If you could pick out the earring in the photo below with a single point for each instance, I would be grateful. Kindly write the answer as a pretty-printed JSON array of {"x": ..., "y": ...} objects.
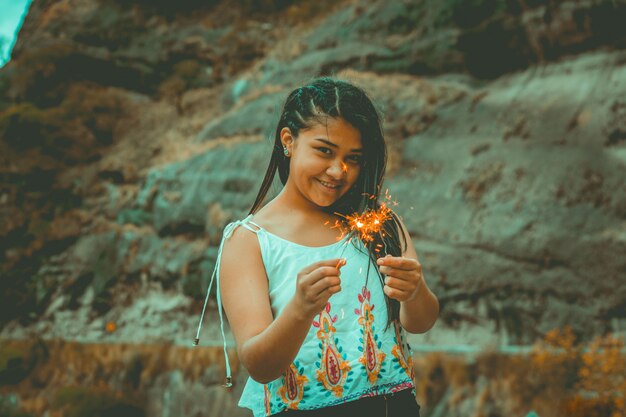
[{"x": 285, "y": 150}]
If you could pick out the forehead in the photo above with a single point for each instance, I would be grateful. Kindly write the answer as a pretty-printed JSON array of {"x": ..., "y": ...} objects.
[{"x": 335, "y": 130}]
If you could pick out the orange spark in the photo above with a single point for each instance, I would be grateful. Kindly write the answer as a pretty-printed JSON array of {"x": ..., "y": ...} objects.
[
  {"x": 110, "y": 327},
  {"x": 367, "y": 224}
]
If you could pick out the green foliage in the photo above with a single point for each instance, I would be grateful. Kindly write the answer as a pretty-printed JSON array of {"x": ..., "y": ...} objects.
[
  {"x": 170, "y": 9},
  {"x": 17, "y": 361},
  {"x": 94, "y": 402},
  {"x": 192, "y": 286},
  {"x": 8, "y": 408},
  {"x": 185, "y": 75},
  {"x": 108, "y": 26},
  {"x": 468, "y": 13},
  {"x": 41, "y": 70},
  {"x": 93, "y": 107},
  {"x": 71, "y": 131},
  {"x": 22, "y": 124},
  {"x": 5, "y": 84},
  {"x": 196, "y": 282},
  {"x": 188, "y": 70},
  {"x": 265, "y": 6},
  {"x": 13, "y": 364},
  {"x": 165, "y": 8},
  {"x": 134, "y": 216}
]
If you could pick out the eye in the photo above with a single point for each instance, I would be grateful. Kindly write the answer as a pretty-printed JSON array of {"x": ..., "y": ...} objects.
[
  {"x": 355, "y": 158},
  {"x": 324, "y": 150}
]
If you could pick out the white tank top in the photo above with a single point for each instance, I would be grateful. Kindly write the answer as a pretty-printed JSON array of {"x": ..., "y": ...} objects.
[{"x": 347, "y": 354}]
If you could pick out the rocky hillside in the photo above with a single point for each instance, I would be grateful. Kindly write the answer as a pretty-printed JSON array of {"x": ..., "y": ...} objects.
[
  {"x": 132, "y": 132},
  {"x": 130, "y": 135}
]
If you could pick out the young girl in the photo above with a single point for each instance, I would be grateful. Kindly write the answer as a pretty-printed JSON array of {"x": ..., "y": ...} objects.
[{"x": 319, "y": 316}]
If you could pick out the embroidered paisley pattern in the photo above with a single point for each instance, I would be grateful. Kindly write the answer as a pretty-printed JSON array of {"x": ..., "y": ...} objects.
[
  {"x": 402, "y": 358},
  {"x": 333, "y": 367},
  {"x": 266, "y": 400},
  {"x": 372, "y": 355},
  {"x": 292, "y": 388}
]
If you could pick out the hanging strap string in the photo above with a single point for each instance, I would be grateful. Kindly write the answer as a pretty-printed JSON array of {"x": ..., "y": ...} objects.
[{"x": 228, "y": 232}]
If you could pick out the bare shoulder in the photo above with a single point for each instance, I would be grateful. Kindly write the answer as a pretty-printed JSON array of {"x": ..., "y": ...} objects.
[
  {"x": 242, "y": 240},
  {"x": 241, "y": 255},
  {"x": 244, "y": 288}
]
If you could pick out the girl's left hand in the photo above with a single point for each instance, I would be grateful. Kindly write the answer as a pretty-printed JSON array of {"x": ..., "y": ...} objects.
[{"x": 404, "y": 277}]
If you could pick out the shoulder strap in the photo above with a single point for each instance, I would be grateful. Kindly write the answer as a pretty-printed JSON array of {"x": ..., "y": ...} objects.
[{"x": 228, "y": 232}]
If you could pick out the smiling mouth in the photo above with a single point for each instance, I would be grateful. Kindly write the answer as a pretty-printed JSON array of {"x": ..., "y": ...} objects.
[{"x": 330, "y": 186}]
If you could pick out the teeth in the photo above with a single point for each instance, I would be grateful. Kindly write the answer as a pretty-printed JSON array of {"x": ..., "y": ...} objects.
[{"x": 329, "y": 185}]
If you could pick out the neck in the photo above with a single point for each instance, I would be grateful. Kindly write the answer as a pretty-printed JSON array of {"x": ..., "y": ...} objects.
[{"x": 296, "y": 205}]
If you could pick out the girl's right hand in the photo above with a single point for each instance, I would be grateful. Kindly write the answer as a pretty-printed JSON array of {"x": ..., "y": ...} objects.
[{"x": 315, "y": 284}]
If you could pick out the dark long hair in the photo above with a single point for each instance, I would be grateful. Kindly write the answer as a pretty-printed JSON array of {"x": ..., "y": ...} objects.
[{"x": 308, "y": 105}]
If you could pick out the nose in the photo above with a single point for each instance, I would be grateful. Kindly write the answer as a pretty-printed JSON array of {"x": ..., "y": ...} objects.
[{"x": 337, "y": 170}]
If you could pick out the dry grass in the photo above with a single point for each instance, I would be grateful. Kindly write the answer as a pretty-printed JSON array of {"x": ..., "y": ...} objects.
[
  {"x": 114, "y": 371},
  {"x": 560, "y": 377}
]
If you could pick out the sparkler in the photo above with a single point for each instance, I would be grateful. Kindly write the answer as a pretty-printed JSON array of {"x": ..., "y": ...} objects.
[{"x": 365, "y": 225}]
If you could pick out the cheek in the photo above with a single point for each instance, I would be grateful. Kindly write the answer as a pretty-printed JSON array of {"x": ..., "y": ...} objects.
[
  {"x": 313, "y": 167},
  {"x": 305, "y": 165},
  {"x": 353, "y": 174}
]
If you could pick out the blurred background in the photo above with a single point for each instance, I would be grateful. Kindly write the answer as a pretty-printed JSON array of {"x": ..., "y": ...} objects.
[{"x": 132, "y": 132}]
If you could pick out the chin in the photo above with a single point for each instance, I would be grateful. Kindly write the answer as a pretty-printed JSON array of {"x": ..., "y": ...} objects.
[
  {"x": 334, "y": 203},
  {"x": 324, "y": 201},
  {"x": 325, "y": 204}
]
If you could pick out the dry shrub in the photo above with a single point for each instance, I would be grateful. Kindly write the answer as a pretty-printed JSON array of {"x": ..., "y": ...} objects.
[
  {"x": 561, "y": 376},
  {"x": 80, "y": 401},
  {"x": 304, "y": 11},
  {"x": 133, "y": 366},
  {"x": 40, "y": 72},
  {"x": 79, "y": 379},
  {"x": 602, "y": 380},
  {"x": 436, "y": 372},
  {"x": 165, "y": 8},
  {"x": 564, "y": 377},
  {"x": 72, "y": 131},
  {"x": 186, "y": 74}
]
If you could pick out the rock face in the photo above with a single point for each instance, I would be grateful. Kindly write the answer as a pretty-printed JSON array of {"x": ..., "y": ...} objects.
[{"x": 130, "y": 135}]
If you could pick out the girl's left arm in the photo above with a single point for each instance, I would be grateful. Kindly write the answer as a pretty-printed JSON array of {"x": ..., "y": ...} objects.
[{"x": 419, "y": 307}]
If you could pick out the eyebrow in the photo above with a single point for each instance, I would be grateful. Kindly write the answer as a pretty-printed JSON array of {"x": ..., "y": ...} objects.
[{"x": 329, "y": 143}]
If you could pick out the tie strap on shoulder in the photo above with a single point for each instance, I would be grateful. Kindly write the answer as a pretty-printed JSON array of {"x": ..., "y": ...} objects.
[{"x": 228, "y": 232}]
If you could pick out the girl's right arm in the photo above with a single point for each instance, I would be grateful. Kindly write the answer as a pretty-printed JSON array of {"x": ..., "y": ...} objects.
[{"x": 266, "y": 347}]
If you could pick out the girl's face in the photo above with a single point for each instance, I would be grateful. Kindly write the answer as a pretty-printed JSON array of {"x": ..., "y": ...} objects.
[{"x": 325, "y": 160}]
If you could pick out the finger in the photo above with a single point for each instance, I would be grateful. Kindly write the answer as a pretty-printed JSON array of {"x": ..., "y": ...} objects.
[
  {"x": 399, "y": 284},
  {"x": 324, "y": 271},
  {"x": 318, "y": 274},
  {"x": 331, "y": 290},
  {"x": 337, "y": 262},
  {"x": 398, "y": 273},
  {"x": 406, "y": 264},
  {"x": 341, "y": 263},
  {"x": 395, "y": 293},
  {"x": 323, "y": 284}
]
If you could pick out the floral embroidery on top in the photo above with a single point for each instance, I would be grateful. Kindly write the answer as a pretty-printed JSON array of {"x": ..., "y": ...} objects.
[
  {"x": 402, "y": 359},
  {"x": 293, "y": 388},
  {"x": 333, "y": 367},
  {"x": 372, "y": 355}
]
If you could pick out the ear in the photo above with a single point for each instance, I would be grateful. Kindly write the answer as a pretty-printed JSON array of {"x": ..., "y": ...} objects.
[{"x": 286, "y": 138}]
